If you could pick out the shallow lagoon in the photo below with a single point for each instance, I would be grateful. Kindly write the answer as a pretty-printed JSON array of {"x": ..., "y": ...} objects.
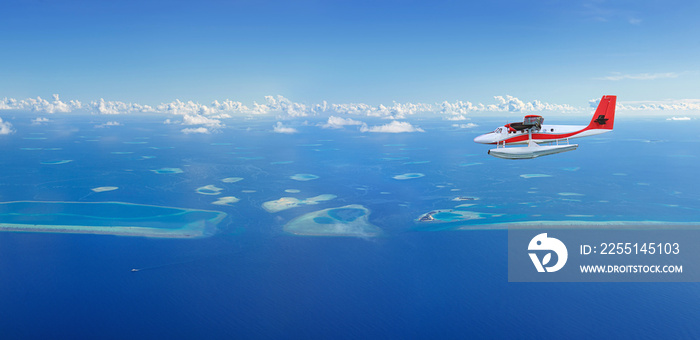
[
  {"x": 111, "y": 218},
  {"x": 351, "y": 220}
]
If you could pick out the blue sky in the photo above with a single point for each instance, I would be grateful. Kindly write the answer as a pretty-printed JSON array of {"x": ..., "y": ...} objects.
[{"x": 374, "y": 52}]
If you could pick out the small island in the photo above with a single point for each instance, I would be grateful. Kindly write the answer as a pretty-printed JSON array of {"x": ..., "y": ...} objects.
[
  {"x": 450, "y": 215},
  {"x": 350, "y": 220}
]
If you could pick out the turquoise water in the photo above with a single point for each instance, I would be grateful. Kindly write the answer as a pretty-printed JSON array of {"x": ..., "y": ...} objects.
[
  {"x": 251, "y": 279},
  {"x": 83, "y": 216},
  {"x": 347, "y": 215}
]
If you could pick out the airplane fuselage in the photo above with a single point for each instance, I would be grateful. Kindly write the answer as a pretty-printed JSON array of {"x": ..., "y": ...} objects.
[{"x": 545, "y": 134}]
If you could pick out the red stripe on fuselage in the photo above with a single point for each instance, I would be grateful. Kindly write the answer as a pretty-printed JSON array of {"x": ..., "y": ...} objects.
[{"x": 541, "y": 136}]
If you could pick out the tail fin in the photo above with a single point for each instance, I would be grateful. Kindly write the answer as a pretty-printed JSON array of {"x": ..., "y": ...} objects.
[{"x": 604, "y": 116}]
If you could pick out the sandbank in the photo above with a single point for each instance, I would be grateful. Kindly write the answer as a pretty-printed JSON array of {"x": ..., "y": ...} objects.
[
  {"x": 103, "y": 189},
  {"x": 303, "y": 177},
  {"x": 285, "y": 203},
  {"x": 226, "y": 200},
  {"x": 107, "y": 218},
  {"x": 411, "y": 175},
  {"x": 209, "y": 190}
]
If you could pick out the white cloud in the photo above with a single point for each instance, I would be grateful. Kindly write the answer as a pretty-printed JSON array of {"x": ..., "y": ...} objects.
[
  {"x": 465, "y": 126},
  {"x": 200, "y": 120},
  {"x": 399, "y": 111},
  {"x": 615, "y": 76},
  {"x": 5, "y": 128},
  {"x": 178, "y": 107},
  {"x": 116, "y": 107},
  {"x": 661, "y": 105},
  {"x": 280, "y": 104},
  {"x": 229, "y": 106},
  {"x": 110, "y": 123},
  {"x": 393, "y": 127},
  {"x": 338, "y": 122},
  {"x": 280, "y": 128},
  {"x": 188, "y": 131},
  {"x": 513, "y": 104},
  {"x": 40, "y": 120},
  {"x": 395, "y": 111},
  {"x": 40, "y": 105},
  {"x": 212, "y": 116},
  {"x": 460, "y": 117},
  {"x": 678, "y": 118},
  {"x": 459, "y": 108}
]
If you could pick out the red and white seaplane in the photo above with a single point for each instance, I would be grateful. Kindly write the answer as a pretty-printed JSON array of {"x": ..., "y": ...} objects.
[{"x": 531, "y": 131}]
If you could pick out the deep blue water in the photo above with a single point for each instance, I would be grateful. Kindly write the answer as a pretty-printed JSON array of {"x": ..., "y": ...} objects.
[{"x": 252, "y": 280}]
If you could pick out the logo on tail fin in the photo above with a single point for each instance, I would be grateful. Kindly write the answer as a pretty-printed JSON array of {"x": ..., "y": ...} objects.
[
  {"x": 601, "y": 120},
  {"x": 604, "y": 116}
]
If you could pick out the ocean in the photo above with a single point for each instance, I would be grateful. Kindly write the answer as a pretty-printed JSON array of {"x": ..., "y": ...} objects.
[{"x": 253, "y": 279}]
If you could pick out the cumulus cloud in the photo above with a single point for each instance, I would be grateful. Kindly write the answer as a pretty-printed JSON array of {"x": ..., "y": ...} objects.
[
  {"x": 615, "y": 76},
  {"x": 460, "y": 117},
  {"x": 338, "y": 122},
  {"x": 202, "y": 130},
  {"x": 678, "y": 118},
  {"x": 5, "y": 128},
  {"x": 116, "y": 107},
  {"x": 661, "y": 105},
  {"x": 40, "y": 120},
  {"x": 201, "y": 120},
  {"x": 400, "y": 111},
  {"x": 459, "y": 108},
  {"x": 395, "y": 111},
  {"x": 212, "y": 115},
  {"x": 107, "y": 124},
  {"x": 465, "y": 126},
  {"x": 229, "y": 106},
  {"x": 178, "y": 107},
  {"x": 393, "y": 127},
  {"x": 40, "y": 105},
  {"x": 280, "y": 104},
  {"x": 513, "y": 104},
  {"x": 280, "y": 128}
]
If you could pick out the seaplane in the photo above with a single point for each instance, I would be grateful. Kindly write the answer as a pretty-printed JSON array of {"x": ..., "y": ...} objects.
[{"x": 533, "y": 132}]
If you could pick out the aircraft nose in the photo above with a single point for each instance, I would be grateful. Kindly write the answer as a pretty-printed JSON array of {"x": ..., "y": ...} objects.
[{"x": 483, "y": 139}]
